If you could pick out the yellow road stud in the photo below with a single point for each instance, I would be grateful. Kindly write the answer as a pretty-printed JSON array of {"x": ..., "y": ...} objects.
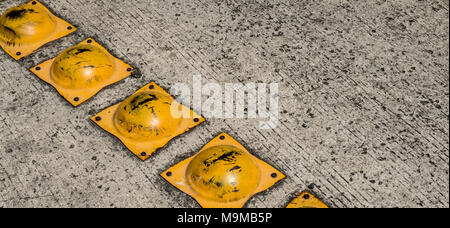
[
  {"x": 25, "y": 28},
  {"x": 80, "y": 72},
  {"x": 147, "y": 120},
  {"x": 306, "y": 200},
  {"x": 222, "y": 175}
]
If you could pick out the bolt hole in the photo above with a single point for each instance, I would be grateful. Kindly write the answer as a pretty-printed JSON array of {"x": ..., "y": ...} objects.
[
  {"x": 76, "y": 99},
  {"x": 143, "y": 154},
  {"x": 196, "y": 120},
  {"x": 98, "y": 118},
  {"x": 129, "y": 69},
  {"x": 274, "y": 175},
  {"x": 306, "y": 196},
  {"x": 38, "y": 68},
  {"x": 34, "y": 3},
  {"x": 19, "y": 53},
  {"x": 169, "y": 174},
  {"x": 151, "y": 87},
  {"x": 222, "y": 137},
  {"x": 89, "y": 41},
  {"x": 69, "y": 28}
]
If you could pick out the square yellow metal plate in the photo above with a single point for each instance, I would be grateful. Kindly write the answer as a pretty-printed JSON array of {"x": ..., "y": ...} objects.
[
  {"x": 143, "y": 138},
  {"x": 306, "y": 200},
  {"x": 61, "y": 29},
  {"x": 77, "y": 95},
  {"x": 223, "y": 174}
]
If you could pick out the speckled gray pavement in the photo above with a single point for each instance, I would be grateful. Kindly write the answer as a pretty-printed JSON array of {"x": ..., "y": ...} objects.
[{"x": 364, "y": 101}]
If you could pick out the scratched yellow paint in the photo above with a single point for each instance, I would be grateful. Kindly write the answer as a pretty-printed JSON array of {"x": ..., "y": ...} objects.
[
  {"x": 223, "y": 174},
  {"x": 144, "y": 122},
  {"x": 25, "y": 28},
  {"x": 82, "y": 66},
  {"x": 80, "y": 72},
  {"x": 146, "y": 115}
]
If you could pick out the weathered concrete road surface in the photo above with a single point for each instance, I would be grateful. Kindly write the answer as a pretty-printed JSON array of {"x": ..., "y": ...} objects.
[{"x": 364, "y": 101}]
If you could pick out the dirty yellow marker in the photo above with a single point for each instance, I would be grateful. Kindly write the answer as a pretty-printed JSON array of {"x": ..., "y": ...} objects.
[
  {"x": 80, "y": 72},
  {"x": 147, "y": 120},
  {"x": 25, "y": 28},
  {"x": 307, "y": 200},
  {"x": 222, "y": 175}
]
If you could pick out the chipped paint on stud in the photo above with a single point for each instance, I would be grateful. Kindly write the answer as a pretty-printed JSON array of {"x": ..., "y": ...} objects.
[
  {"x": 146, "y": 115},
  {"x": 25, "y": 28},
  {"x": 144, "y": 122},
  {"x": 82, "y": 66},
  {"x": 80, "y": 72},
  {"x": 223, "y": 174},
  {"x": 307, "y": 200}
]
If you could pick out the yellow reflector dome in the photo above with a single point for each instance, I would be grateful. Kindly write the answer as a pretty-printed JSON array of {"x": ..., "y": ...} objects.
[
  {"x": 25, "y": 24},
  {"x": 144, "y": 121},
  {"x": 146, "y": 115},
  {"x": 223, "y": 174},
  {"x": 82, "y": 66},
  {"x": 80, "y": 72},
  {"x": 25, "y": 28}
]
